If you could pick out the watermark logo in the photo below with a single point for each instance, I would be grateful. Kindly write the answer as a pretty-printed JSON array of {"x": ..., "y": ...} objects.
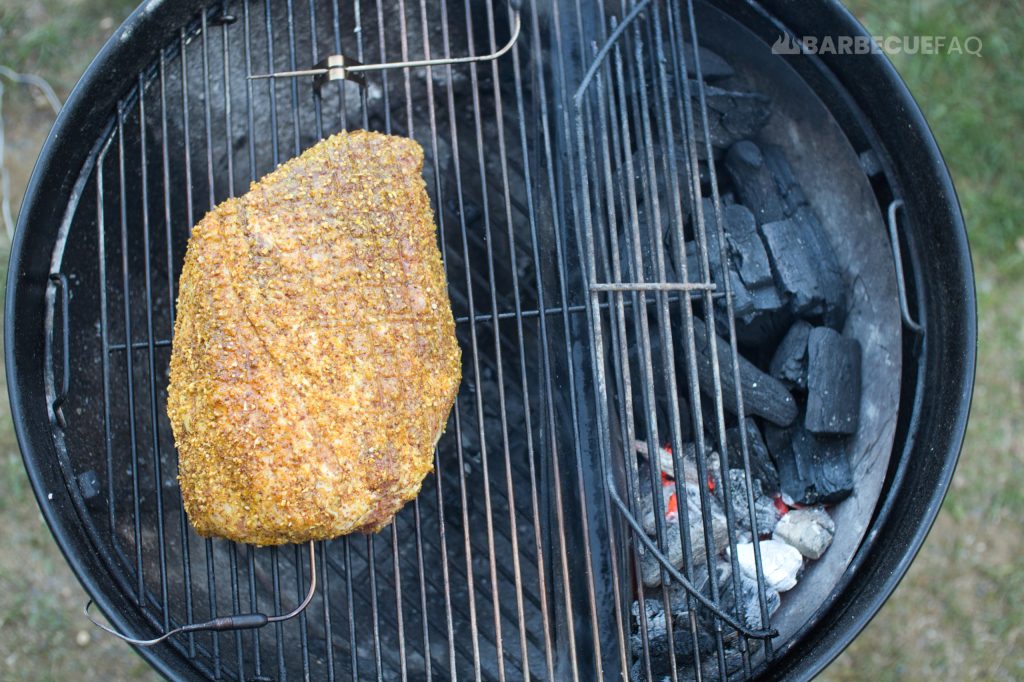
[{"x": 890, "y": 45}]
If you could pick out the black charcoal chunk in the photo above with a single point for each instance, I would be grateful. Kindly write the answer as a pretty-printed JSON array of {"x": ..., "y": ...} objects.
[
  {"x": 746, "y": 247},
  {"x": 732, "y": 115},
  {"x": 763, "y": 396},
  {"x": 714, "y": 244},
  {"x": 830, "y": 275},
  {"x": 797, "y": 266},
  {"x": 754, "y": 182},
  {"x": 761, "y": 465},
  {"x": 812, "y": 470},
  {"x": 753, "y": 287},
  {"x": 792, "y": 194},
  {"x": 755, "y": 297},
  {"x": 764, "y": 181},
  {"x": 745, "y": 252},
  {"x": 659, "y": 655},
  {"x": 805, "y": 266},
  {"x": 789, "y": 364},
  {"x": 833, "y": 383}
]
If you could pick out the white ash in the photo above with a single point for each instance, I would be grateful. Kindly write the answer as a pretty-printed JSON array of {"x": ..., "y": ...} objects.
[
  {"x": 809, "y": 531},
  {"x": 766, "y": 514},
  {"x": 651, "y": 567},
  {"x": 780, "y": 562},
  {"x": 750, "y": 603}
]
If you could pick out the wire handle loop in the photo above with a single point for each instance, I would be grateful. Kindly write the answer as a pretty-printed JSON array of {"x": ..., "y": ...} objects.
[
  {"x": 242, "y": 621},
  {"x": 340, "y": 67},
  {"x": 897, "y": 257}
]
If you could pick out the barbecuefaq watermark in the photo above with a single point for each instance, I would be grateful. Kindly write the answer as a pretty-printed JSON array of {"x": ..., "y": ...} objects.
[{"x": 919, "y": 44}]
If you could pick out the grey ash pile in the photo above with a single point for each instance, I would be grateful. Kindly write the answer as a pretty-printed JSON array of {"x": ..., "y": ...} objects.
[{"x": 800, "y": 380}]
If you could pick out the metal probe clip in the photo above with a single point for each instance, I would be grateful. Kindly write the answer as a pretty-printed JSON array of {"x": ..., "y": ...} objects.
[
  {"x": 242, "y": 621},
  {"x": 338, "y": 67}
]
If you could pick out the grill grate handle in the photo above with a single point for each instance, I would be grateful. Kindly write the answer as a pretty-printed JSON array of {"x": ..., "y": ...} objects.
[
  {"x": 241, "y": 621},
  {"x": 338, "y": 67}
]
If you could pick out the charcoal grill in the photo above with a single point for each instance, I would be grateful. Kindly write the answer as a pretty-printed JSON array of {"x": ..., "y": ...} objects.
[{"x": 518, "y": 559}]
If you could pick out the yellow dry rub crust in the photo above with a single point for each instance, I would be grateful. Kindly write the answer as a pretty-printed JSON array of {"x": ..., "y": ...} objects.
[{"x": 314, "y": 361}]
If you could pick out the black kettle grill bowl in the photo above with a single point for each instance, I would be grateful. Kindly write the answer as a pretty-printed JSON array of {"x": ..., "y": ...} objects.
[{"x": 864, "y": 95}]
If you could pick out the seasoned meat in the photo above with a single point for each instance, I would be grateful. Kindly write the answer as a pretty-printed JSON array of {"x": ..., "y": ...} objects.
[{"x": 314, "y": 361}]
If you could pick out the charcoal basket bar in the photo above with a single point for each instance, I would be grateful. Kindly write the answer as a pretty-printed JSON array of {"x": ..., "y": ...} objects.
[
  {"x": 582, "y": 317},
  {"x": 602, "y": 74}
]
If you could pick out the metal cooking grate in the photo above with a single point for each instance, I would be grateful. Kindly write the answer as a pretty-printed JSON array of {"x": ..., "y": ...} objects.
[
  {"x": 631, "y": 101},
  {"x": 514, "y": 562}
]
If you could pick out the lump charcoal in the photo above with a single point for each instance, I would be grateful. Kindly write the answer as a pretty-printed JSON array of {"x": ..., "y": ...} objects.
[
  {"x": 763, "y": 395},
  {"x": 753, "y": 287},
  {"x": 714, "y": 244},
  {"x": 764, "y": 180},
  {"x": 761, "y": 465},
  {"x": 746, "y": 248},
  {"x": 812, "y": 470},
  {"x": 797, "y": 266},
  {"x": 830, "y": 276},
  {"x": 751, "y": 280},
  {"x": 780, "y": 563},
  {"x": 798, "y": 208},
  {"x": 650, "y": 567},
  {"x": 805, "y": 264},
  {"x": 657, "y": 630},
  {"x": 659, "y": 656},
  {"x": 789, "y": 364},
  {"x": 810, "y": 531},
  {"x": 789, "y": 189},
  {"x": 833, "y": 383},
  {"x": 678, "y": 598},
  {"x": 766, "y": 515},
  {"x": 753, "y": 182},
  {"x": 732, "y": 116}
]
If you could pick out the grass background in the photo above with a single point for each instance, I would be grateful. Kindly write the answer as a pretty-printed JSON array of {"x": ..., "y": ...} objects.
[{"x": 958, "y": 614}]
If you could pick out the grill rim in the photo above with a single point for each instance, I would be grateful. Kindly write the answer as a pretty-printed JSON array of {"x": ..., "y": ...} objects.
[
  {"x": 129, "y": 51},
  {"x": 942, "y": 360},
  {"x": 86, "y": 114}
]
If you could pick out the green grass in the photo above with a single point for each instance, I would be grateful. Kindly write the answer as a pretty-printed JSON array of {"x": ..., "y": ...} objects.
[
  {"x": 957, "y": 614},
  {"x": 57, "y": 38}
]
